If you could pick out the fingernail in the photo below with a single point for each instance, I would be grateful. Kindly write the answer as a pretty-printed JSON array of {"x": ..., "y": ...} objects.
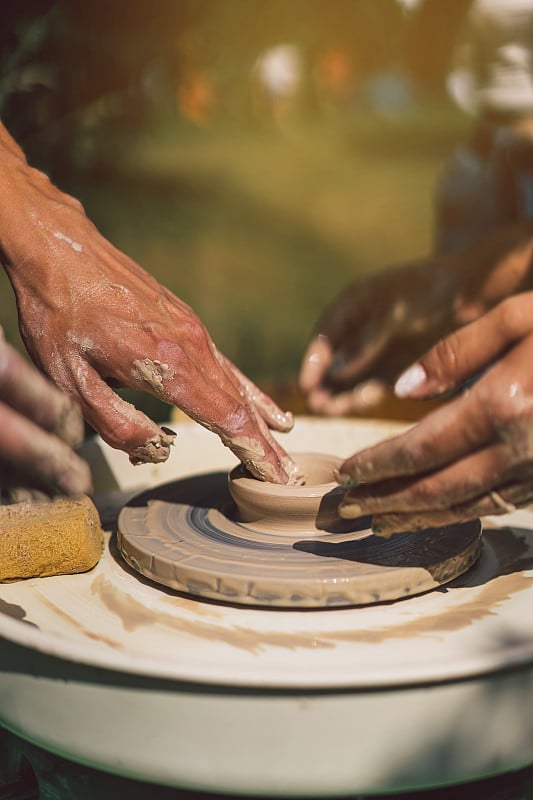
[
  {"x": 316, "y": 354},
  {"x": 410, "y": 381},
  {"x": 168, "y": 431},
  {"x": 284, "y": 418},
  {"x": 350, "y": 510},
  {"x": 314, "y": 358},
  {"x": 76, "y": 480}
]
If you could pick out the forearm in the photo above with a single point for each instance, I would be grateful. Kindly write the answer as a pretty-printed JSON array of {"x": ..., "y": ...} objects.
[
  {"x": 41, "y": 229},
  {"x": 14, "y": 170}
]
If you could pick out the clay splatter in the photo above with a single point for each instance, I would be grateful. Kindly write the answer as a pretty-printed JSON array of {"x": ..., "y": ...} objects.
[{"x": 153, "y": 373}]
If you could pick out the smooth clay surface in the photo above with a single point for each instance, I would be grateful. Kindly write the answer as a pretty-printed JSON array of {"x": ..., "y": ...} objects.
[
  {"x": 269, "y": 545},
  {"x": 308, "y": 508}
]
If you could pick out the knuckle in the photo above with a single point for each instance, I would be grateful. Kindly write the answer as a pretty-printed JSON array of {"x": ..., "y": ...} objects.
[
  {"x": 42, "y": 177},
  {"x": 513, "y": 317},
  {"x": 69, "y": 204},
  {"x": 418, "y": 456},
  {"x": 77, "y": 205},
  {"x": 193, "y": 333},
  {"x": 502, "y": 414},
  {"x": 444, "y": 356},
  {"x": 428, "y": 494}
]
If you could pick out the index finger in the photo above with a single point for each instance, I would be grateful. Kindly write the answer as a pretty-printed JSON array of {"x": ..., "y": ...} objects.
[
  {"x": 441, "y": 437},
  {"x": 269, "y": 410},
  {"x": 468, "y": 350},
  {"x": 214, "y": 397}
]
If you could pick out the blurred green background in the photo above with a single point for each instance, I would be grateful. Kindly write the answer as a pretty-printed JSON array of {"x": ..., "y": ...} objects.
[{"x": 255, "y": 156}]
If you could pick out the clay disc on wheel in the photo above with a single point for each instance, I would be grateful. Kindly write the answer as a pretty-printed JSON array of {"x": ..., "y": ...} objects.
[{"x": 184, "y": 535}]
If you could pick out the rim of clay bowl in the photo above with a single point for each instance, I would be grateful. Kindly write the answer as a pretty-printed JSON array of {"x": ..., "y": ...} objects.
[
  {"x": 282, "y": 508},
  {"x": 240, "y": 476}
]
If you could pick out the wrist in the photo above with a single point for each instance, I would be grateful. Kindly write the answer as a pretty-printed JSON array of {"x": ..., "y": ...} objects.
[{"x": 26, "y": 202}]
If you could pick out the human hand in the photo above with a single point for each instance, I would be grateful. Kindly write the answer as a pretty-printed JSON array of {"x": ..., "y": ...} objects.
[
  {"x": 94, "y": 320},
  {"x": 380, "y": 324},
  {"x": 39, "y": 427},
  {"x": 469, "y": 458}
]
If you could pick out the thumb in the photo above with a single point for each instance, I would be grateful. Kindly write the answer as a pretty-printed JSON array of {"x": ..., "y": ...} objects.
[{"x": 466, "y": 352}]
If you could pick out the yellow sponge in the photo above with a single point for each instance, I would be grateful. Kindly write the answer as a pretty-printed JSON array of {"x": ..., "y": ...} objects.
[{"x": 56, "y": 538}]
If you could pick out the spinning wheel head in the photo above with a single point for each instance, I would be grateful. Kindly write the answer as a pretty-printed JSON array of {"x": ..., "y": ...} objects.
[{"x": 235, "y": 539}]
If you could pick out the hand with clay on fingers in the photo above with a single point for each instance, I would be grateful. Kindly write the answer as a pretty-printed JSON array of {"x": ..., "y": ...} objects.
[
  {"x": 92, "y": 320},
  {"x": 380, "y": 324},
  {"x": 469, "y": 458},
  {"x": 39, "y": 427}
]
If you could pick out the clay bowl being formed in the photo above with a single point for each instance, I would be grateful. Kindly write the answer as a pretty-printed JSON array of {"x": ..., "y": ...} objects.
[
  {"x": 276, "y": 507},
  {"x": 233, "y": 538}
]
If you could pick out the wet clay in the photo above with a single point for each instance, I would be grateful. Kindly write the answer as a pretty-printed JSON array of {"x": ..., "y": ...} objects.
[
  {"x": 191, "y": 536},
  {"x": 273, "y": 507},
  {"x": 496, "y": 578},
  {"x": 152, "y": 373},
  {"x": 154, "y": 450}
]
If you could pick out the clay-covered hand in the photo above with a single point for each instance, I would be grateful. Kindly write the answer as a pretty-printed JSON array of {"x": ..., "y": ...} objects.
[
  {"x": 380, "y": 324},
  {"x": 93, "y": 320},
  {"x": 39, "y": 427},
  {"x": 474, "y": 455}
]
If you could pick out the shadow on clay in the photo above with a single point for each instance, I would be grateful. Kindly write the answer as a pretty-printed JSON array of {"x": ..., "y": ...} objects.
[
  {"x": 423, "y": 549},
  {"x": 506, "y": 551},
  {"x": 328, "y": 519},
  {"x": 205, "y": 491}
]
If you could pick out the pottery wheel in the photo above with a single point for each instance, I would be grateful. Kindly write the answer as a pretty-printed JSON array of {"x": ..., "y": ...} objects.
[{"x": 185, "y": 535}]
